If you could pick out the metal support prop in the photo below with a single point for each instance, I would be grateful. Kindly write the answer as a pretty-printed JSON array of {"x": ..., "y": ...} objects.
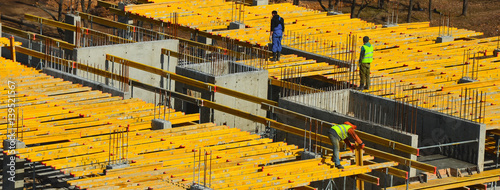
[
  {"x": 345, "y": 181},
  {"x": 359, "y": 162},
  {"x": 12, "y": 49},
  {"x": 449, "y": 144},
  {"x": 497, "y": 138}
]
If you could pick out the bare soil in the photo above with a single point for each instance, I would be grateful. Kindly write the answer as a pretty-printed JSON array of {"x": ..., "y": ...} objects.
[{"x": 483, "y": 15}]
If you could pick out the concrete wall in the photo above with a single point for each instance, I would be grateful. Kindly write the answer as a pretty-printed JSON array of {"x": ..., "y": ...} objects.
[
  {"x": 24, "y": 59},
  {"x": 432, "y": 127},
  {"x": 240, "y": 78},
  {"x": 437, "y": 128},
  {"x": 252, "y": 83},
  {"x": 148, "y": 53}
]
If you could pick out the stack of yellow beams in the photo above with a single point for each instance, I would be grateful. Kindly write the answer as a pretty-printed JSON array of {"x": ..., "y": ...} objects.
[
  {"x": 405, "y": 55},
  {"x": 217, "y": 14},
  {"x": 67, "y": 125},
  {"x": 229, "y": 159},
  {"x": 289, "y": 65},
  {"x": 6, "y": 42}
]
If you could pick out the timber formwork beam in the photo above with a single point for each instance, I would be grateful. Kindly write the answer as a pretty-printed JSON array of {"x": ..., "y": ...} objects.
[
  {"x": 37, "y": 37},
  {"x": 73, "y": 64}
]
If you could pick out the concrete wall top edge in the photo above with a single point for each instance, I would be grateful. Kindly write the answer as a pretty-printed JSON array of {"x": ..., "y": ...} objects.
[{"x": 126, "y": 44}]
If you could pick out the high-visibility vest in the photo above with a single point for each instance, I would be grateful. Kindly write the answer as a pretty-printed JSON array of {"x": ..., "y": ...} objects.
[
  {"x": 342, "y": 130},
  {"x": 368, "y": 58}
]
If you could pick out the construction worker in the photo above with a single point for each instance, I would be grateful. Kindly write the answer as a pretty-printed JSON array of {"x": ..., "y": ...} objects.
[
  {"x": 277, "y": 29},
  {"x": 365, "y": 58},
  {"x": 341, "y": 132}
]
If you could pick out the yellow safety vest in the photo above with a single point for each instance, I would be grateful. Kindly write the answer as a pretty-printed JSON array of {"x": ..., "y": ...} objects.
[
  {"x": 342, "y": 130},
  {"x": 368, "y": 58}
]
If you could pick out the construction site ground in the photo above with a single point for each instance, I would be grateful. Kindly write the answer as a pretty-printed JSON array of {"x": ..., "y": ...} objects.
[{"x": 480, "y": 18}]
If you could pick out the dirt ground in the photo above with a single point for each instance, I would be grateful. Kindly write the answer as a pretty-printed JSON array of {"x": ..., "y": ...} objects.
[{"x": 483, "y": 14}]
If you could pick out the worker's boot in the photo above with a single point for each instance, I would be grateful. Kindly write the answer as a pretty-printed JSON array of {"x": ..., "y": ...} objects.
[
  {"x": 274, "y": 57},
  {"x": 361, "y": 87},
  {"x": 278, "y": 56},
  {"x": 339, "y": 166}
]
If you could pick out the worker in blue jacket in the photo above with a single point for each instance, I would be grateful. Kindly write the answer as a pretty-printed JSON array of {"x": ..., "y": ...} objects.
[{"x": 277, "y": 29}]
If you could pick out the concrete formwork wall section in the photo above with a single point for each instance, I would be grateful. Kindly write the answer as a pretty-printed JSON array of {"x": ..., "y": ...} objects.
[
  {"x": 148, "y": 53},
  {"x": 253, "y": 83},
  {"x": 292, "y": 104},
  {"x": 236, "y": 77},
  {"x": 433, "y": 128},
  {"x": 24, "y": 59}
]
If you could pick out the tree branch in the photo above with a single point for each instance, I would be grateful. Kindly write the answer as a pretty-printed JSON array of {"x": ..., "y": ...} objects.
[
  {"x": 322, "y": 6},
  {"x": 59, "y": 11},
  {"x": 45, "y": 10},
  {"x": 88, "y": 6},
  {"x": 364, "y": 4}
]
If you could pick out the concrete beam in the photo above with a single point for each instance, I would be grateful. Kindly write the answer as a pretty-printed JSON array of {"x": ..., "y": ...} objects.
[
  {"x": 442, "y": 39},
  {"x": 235, "y": 25},
  {"x": 159, "y": 124},
  {"x": 260, "y": 2},
  {"x": 199, "y": 187},
  {"x": 333, "y": 13},
  {"x": 305, "y": 155},
  {"x": 117, "y": 166},
  {"x": 465, "y": 80},
  {"x": 389, "y": 25}
]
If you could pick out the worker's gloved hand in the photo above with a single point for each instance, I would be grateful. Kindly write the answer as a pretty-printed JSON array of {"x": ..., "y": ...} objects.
[
  {"x": 352, "y": 147},
  {"x": 362, "y": 145}
]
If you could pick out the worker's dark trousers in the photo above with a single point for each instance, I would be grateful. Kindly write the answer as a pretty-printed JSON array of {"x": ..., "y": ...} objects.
[
  {"x": 334, "y": 138},
  {"x": 364, "y": 75}
]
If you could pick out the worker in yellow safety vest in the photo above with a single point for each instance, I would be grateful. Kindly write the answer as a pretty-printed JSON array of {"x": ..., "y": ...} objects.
[
  {"x": 365, "y": 58},
  {"x": 342, "y": 132}
]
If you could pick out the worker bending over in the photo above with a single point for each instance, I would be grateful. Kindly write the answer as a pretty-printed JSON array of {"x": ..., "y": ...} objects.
[
  {"x": 341, "y": 132},
  {"x": 365, "y": 58},
  {"x": 277, "y": 29}
]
